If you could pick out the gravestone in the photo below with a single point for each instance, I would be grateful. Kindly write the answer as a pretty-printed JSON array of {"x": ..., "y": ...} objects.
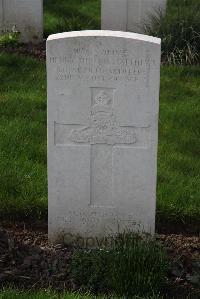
[
  {"x": 130, "y": 15},
  {"x": 23, "y": 16},
  {"x": 103, "y": 102}
]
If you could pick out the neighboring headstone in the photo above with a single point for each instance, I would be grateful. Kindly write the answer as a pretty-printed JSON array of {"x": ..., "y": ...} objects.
[
  {"x": 103, "y": 102},
  {"x": 130, "y": 15},
  {"x": 23, "y": 16},
  {"x": 114, "y": 15}
]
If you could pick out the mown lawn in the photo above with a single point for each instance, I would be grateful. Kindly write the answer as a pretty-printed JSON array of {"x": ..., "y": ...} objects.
[
  {"x": 23, "y": 188},
  {"x": 23, "y": 169},
  {"x": 178, "y": 189}
]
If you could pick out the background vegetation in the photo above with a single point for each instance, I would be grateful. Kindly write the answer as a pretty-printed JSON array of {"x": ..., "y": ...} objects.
[
  {"x": 23, "y": 174},
  {"x": 67, "y": 15},
  {"x": 23, "y": 188},
  {"x": 179, "y": 31}
]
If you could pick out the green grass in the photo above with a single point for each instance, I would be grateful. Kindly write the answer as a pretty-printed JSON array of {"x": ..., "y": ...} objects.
[
  {"x": 23, "y": 188},
  {"x": 132, "y": 266},
  {"x": 179, "y": 31},
  {"x": 179, "y": 145},
  {"x": 68, "y": 15},
  {"x": 14, "y": 294},
  {"x": 9, "y": 39}
]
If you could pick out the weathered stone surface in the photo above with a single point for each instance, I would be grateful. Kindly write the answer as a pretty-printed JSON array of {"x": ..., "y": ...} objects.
[
  {"x": 103, "y": 101},
  {"x": 24, "y": 16},
  {"x": 129, "y": 15}
]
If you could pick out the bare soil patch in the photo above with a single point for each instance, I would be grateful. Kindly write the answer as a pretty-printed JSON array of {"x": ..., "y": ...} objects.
[
  {"x": 28, "y": 260},
  {"x": 36, "y": 51}
]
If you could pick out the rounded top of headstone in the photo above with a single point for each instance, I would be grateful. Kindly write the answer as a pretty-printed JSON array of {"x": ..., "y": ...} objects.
[{"x": 105, "y": 33}]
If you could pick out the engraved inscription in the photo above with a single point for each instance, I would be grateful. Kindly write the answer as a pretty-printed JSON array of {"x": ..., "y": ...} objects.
[
  {"x": 88, "y": 62},
  {"x": 103, "y": 125}
]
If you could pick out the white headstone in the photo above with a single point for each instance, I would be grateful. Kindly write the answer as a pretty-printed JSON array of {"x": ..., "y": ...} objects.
[
  {"x": 129, "y": 15},
  {"x": 103, "y": 102},
  {"x": 23, "y": 16}
]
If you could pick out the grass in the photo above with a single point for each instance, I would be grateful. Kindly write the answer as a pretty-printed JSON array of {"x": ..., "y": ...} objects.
[
  {"x": 179, "y": 145},
  {"x": 179, "y": 31},
  {"x": 23, "y": 188},
  {"x": 68, "y": 15},
  {"x": 14, "y": 294},
  {"x": 132, "y": 266},
  {"x": 9, "y": 39}
]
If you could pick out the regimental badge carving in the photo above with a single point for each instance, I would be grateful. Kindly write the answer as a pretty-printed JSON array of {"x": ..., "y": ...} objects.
[{"x": 104, "y": 128}]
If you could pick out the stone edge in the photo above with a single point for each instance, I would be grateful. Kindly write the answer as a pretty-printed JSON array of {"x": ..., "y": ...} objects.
[{"x": 105, "y": 33}]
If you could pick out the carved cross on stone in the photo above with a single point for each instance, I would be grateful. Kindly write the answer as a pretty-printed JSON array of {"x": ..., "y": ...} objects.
[
  {"x": 103, "y": 134},
  {"x": 104, "y": 128}
]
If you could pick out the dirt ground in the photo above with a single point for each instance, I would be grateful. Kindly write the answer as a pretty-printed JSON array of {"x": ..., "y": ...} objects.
[
  {"x": 36, "y": 51},
  {"x": 28, "y": 260}
]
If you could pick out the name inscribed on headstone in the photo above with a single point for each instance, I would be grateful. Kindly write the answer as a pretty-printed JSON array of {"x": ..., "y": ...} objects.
[{"x": 99, "y": 64}]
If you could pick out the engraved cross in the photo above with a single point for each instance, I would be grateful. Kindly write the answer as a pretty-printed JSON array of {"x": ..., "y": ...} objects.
[{"x": 102, "y": 134}]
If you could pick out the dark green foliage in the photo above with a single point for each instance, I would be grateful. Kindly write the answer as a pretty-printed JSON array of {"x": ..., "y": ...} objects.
[
  {"x": 68, "y": 15},
  {"x": 90, "y": 269},
  {"x": 132, "y": 266},
  {"x": 9, "y": 39},
  {"x": 49, "y": 294},
  {"x": 138, "y": 266},
  {"x": 179, "y": 31}
]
